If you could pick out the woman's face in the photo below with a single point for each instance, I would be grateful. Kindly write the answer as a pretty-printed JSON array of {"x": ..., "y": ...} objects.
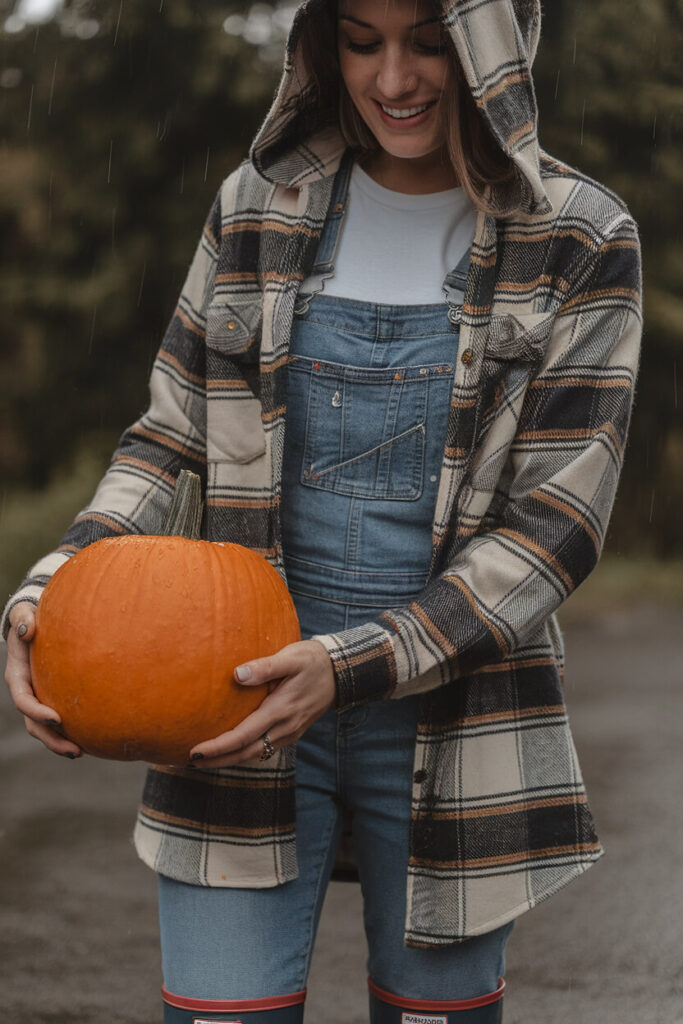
[{"x": 396, "y": 68}]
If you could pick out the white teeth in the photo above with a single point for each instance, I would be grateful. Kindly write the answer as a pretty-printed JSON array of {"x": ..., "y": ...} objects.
[{"x": 400, "y": 114}]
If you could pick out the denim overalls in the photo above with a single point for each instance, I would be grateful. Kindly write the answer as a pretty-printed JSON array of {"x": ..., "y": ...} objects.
[{"x": 367, "y": 404}]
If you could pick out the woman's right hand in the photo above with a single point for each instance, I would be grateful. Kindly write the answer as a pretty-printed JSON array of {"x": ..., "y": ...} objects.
[{"x": 41, "y": 722}]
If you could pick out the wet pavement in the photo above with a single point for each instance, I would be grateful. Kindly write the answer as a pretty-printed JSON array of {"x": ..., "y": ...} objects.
[{"x": 77, "y": 910}]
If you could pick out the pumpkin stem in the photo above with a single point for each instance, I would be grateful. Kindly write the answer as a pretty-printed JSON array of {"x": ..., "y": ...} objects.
[{"x": 184, "y": 518}]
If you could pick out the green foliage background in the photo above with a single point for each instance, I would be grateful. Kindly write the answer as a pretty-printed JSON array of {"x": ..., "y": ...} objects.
[{"x": 113, "y": 149}]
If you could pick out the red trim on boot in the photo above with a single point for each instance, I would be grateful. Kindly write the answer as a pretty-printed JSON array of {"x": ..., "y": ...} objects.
[
  {"x": 233, "y": 1005},
  {"x": 437, "y": 1004}
]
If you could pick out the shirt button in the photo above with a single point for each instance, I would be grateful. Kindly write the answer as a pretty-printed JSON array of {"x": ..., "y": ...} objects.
[
  {"x": 420, "y": 775},
  {"x": 467, "y": 356}
]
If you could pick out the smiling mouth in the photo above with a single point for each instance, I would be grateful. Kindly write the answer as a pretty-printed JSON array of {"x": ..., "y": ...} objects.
[{"x": 403, "y": 113}]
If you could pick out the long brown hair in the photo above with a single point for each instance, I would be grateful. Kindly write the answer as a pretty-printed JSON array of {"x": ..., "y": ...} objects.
[{"x": 483, "y": 170}]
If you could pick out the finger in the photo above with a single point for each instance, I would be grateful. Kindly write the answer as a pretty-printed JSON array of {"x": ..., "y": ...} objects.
[
  {"x": 23, "y": 620},
  {"x": 245, "y": 735},
  {"x": 274, "y": 667},
  {"x": 249, "y": 755},
  {"x": 18, "y": 679},
  {"x": 52, "y": 740}
]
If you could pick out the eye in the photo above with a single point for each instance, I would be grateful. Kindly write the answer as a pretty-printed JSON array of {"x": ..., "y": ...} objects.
[
  {"x": 431, "y": 50},
  {"x": 433, "y": 44},
  {"x": 360, "y": 47}
]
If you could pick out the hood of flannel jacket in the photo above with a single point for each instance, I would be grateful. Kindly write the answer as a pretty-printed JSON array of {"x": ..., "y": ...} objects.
[{"x": 495, "y": 42}]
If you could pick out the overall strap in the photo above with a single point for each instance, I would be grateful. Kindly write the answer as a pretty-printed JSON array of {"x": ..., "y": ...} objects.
[
  {"x": 323, "y": 267},
  {"x": 454, "y": 287}
]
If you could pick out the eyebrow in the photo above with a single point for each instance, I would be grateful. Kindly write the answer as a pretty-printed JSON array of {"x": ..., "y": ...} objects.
[{"x": 366, "y": 24}]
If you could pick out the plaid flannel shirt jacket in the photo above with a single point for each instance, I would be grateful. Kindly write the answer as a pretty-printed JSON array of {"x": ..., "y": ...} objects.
[{"x": 538, "y": 422}]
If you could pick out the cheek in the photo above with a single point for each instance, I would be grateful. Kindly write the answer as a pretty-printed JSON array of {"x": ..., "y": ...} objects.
[
  {"x": 353, "y": 75},
  {"x": 444, "y": 76}
]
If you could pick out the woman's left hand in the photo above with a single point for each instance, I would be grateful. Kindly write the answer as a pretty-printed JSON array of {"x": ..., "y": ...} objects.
[{"x": 303, "y": 689}]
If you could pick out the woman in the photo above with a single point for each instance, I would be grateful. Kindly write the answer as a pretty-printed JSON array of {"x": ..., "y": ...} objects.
[{"x": 403, "y": 364}]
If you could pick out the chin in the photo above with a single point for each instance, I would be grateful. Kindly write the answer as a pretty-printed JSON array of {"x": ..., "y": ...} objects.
[{"x": 405, "y": 149}]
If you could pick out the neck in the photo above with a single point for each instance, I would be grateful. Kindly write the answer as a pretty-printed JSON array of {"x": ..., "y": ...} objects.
[{"x": 417, "y": 176}]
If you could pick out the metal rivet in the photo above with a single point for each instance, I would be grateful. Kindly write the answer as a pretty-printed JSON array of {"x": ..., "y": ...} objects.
[
  {"x": 231, "y": 325},
  {"x": 423, "y": 372},
  {"x": 467, "y": 356},
  {"x": 338, "y": 208},
  {"x": 433, "y": 478},
  {"x": 336, "y": 400},
  {"x": 455, "y": 314},
  {"x": 397, "y": 376}
]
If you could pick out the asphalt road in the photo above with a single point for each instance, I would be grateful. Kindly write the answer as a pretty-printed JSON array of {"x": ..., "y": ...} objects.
[{"x": 78, "y": 938}]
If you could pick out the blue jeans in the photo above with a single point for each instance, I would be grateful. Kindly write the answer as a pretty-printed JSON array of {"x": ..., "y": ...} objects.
[{"x": 250, "y": 944}]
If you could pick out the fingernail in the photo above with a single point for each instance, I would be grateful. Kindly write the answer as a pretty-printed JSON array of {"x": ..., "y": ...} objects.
[
  {"x": 243, "y": 673},
  {"x": 71, "y": 756},
  {"x": 22, "y": 630},
  {"x": 52, "y": 723},
  {"x": 197, "y": 757}
]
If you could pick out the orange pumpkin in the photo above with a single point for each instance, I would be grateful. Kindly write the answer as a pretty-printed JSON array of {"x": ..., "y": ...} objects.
[{"x": 138, "y": 637}]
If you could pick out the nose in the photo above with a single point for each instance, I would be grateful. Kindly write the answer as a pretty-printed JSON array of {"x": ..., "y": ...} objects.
[{"x": 396, "y": 75}]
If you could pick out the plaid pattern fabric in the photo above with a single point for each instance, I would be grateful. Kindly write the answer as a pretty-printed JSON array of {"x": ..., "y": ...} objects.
[{"x": 537, "y": 428}]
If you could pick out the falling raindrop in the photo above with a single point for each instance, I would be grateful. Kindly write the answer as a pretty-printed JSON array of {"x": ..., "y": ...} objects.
[
  {"x": 557, "y": 83},
  {"x": 206, "y": 165},
  {"x": 652, "y": 505},
  {"x": 111, "y": 151},
  {"x": 92, "y": 330},
  {"x": 52, "y": 88},
  {"x": 675, "y": 384},
  {"x": 182, "y": 178},
  {"x": 142, "y": 282},
  {"x": 583, "y": 118},
  {"x": 113, "y": 227},
  {"x": 118, "y": 22},
  {"x": 30, "y": 112}
]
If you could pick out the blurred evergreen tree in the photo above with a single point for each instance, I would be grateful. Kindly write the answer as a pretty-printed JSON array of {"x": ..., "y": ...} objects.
[
  {"x": 609, "y": 79},
  {"x": 120, "y": 122}
]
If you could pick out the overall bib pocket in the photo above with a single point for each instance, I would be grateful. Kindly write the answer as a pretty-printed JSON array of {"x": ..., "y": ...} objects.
[{"x": 365, "y": 428}]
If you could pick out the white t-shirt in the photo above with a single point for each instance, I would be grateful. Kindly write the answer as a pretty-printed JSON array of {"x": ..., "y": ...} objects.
[{"x": 396, "y": 248}]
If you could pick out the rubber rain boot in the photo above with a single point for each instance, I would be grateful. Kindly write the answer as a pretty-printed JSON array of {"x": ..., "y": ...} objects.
[{"x": 386, "y": 1008}]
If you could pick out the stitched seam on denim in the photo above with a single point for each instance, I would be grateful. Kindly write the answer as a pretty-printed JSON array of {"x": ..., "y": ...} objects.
[{"x": 371, "y": 451}]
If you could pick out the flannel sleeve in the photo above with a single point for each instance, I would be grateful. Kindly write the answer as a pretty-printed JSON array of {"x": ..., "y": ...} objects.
[
  {"x": 136, "y": 490},
  {"x": 546, "y": 525}
]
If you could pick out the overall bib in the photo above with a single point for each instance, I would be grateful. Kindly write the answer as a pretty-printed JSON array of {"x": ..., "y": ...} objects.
[{"x": 367, "y": 405}]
